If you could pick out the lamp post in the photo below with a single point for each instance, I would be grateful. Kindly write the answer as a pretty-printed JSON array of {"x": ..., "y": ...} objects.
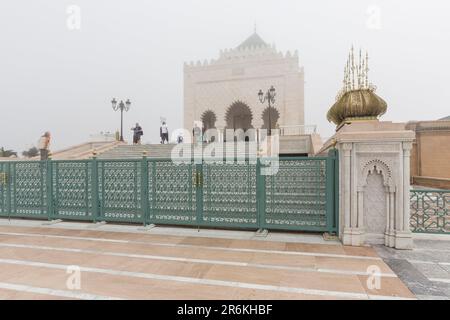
[
  {"x": 122, "y": 107},
  {"x": 270, "y": 97}
]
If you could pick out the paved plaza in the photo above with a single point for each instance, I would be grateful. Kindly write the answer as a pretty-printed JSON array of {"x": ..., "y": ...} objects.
[
  {"x": 425, "y": 270},
  {"x": 130, "y": 262}
]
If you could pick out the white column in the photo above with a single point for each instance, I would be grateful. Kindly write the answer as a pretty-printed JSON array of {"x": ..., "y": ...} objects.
[
  {"x": 391, "y": 215},
  {"x": 257, "y": 134},
  {"x": 402, "y": 238},
  {"x": 360, "y": 207},
  {"x": 388, "y": 217},
  {"x": 399, "y": 196},
  {"x": 353, "y": 190},
  {"x": 220, "y": 134},
  {"x": 407, "y": 146},
  {"x": 347, "y": 147}
]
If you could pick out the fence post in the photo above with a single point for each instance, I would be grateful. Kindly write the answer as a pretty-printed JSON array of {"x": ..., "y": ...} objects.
[
  {"x": 94, "y": 188},
  {"x": 330, "y": 196},
  {"x": 8, "y": 189},
  {"x": 144, "y": 188},
  {"x": 332, "y": 191},
  {"x": 49, "y": 183},
  {"x": 260, "y": 195},
  {"x": 336, "y": 190}
]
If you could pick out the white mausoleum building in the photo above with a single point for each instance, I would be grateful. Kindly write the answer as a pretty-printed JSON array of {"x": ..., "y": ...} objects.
[{"x": 223, "y": 93}]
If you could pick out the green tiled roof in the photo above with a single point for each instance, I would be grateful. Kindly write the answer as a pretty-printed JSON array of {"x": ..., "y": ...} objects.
[{"x": 253, "y": 41}]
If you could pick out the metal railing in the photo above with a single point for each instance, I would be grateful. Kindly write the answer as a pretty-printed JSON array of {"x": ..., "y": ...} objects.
[
  {"x": 300, "y": 196},
  {"x": 430, "y": 211},
  {"x": 296, "y": 130}
]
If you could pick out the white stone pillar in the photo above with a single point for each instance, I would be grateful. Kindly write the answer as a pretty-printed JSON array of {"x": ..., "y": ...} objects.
[
  {"x": 360, "y": 223},
  {"x": 407, "y": 146},
  {"x": 346, "y": 184},
  {"x": 380, "y": 148},
  {"x": 403, "y": 234},
  {"x": 390, "y": 236},
  {"x": 220, "y": 134}
]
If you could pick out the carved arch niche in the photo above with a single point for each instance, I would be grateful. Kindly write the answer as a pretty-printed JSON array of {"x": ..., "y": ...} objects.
[{"x": 376, "y": 198}]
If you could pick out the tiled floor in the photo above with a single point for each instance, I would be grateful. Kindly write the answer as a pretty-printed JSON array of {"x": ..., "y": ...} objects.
[
  {"x": 125, "y": 262},
  {"x": 425, "y": 270}
]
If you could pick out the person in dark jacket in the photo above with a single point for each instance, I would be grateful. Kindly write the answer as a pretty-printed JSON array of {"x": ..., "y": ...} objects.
[{"x": 137, "y": 134}]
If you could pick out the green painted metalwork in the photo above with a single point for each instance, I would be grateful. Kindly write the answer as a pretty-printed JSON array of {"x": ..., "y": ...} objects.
[
  {"x": 336, "y": 190},
  {"x": 236, "y": 194},
  {"x": 229, "y": 194},
  {"x": 95, "y": 202},
  {"x": 4, "y": 189},
  {"x": 144, "y": 189},
  {"x": 119, "y": 189},
  {"x": 172, "y": 192},
  {"x": 296, "y": 197},
  {"x": 72, "y": 190},
  {"x": 28, "y": 185},
  {"x": 430, "y": 211}
]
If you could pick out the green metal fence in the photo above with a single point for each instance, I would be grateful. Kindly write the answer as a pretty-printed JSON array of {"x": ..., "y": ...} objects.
[
  {"x": 430, "y": 211},
  {"x": 300, "y": 196}
]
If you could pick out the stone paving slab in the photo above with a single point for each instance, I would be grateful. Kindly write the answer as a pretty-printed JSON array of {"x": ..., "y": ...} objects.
[
  {"x": 432, "y": 270},
  {"x": 184, "y": 265},
  {"x": 425, "y": 269},
  {"x": 291, "y": 237}
]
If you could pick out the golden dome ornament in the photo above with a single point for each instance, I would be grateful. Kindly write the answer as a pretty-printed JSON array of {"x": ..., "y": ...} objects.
[{"x": 357, "y": 99}]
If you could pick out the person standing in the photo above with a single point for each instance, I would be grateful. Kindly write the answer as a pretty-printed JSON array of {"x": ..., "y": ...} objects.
[
  {"x": 44, "y": 145},
  {"x": 164, "y": 133},
  {"x": 197, "y": 134},
  {"x": 137, "y": 134}
]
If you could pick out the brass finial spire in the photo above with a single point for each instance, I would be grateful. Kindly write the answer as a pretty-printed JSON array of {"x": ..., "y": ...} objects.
[
  {"x": 360, "y": 68},
  {"x": 357, "y": 99},
  {"x": 356, "y": 73},
  {"x": 367, "y": 70}
]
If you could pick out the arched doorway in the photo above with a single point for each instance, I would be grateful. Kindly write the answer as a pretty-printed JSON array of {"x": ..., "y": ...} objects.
[
  {"x": 209, "y": 122},
  {"x": 274, "y": 116},
  {"x": 239, "y": 116}
]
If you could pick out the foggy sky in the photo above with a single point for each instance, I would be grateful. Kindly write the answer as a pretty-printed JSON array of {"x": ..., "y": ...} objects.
[{"x": 62, "y": 80}]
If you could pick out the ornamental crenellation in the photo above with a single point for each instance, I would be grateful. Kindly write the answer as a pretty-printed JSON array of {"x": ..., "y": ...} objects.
[{"x": 227, "y": 87}]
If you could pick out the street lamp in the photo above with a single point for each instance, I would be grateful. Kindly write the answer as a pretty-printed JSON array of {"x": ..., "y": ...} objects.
[
  {"x": 270, "y": 97},
  {"x": 122, "y": 107}
]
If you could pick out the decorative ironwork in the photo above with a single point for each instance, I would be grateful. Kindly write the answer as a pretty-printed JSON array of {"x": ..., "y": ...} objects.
[
  {"x": 430, "y": 211},
  {"x": 72, "y": 189},
  {"x": 3, "y": 178},
  {"x": 299, "y": 197},
  {"x": 172, "y": 192},
  {"x": 3, "y": 189},
  {"x": 119, "y": 189},
  {"x": 296, "y": 195},
  {"x": 229, "y": 194},
  {"x": 29, "y": 196}
]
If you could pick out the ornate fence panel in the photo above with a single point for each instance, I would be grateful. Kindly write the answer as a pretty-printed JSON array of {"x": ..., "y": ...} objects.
[
  {"x": 30, "y": 194},
  {"x": 4, "y": 189},
  {"x": 72, "y": 190},
  {"x": 229, "y": 194},
  {"x": 119, "y": 190},
  {"x": 172, "y": 192},
  {"x": 301, "y": 195},
  {"x": 430, "y": 211}
]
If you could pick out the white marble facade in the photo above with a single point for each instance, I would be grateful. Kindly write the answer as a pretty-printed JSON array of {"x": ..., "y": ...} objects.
[
  {"x": 234, "y": 79},
  {"x": 374, "y": 183}
]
